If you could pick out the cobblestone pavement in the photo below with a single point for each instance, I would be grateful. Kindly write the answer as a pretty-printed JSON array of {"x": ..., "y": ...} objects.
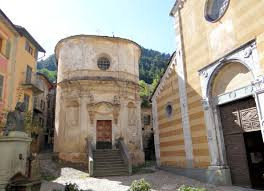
[{"x": 159, "y": 180}]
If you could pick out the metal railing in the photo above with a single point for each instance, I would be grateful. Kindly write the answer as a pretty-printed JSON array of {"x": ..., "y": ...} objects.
[
  {"x": 90, "y": 157},
  {"x": 125, "y": 154}
]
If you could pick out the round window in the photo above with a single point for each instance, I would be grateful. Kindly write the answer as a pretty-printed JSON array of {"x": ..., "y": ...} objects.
[
  {"x": 215, "y": 9},
  {"x": 103, "y": 63},
  {"x": 169, "y": 110}
]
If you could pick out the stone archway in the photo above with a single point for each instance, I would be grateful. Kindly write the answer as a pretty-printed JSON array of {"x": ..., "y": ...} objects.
[
  {"x": 230, "y": 77},
  {"x": 235, "y": 116},
  {"x": 226, "y": 80}
]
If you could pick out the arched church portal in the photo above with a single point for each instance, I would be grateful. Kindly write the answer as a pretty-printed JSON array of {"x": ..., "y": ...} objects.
[
  {"x": 232, "y": 119},
  {"x": 240, "y": 126}
]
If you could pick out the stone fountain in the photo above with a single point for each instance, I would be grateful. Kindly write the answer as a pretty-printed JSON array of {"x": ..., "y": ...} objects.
[{"x": 14, "y": 152}]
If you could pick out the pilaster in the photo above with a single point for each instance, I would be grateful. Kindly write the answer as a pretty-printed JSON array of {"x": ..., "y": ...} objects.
[
  {"x": 180, "y": 68},
  {"x": 259, "y": 98},
  {"x": 156, "y": 130}
]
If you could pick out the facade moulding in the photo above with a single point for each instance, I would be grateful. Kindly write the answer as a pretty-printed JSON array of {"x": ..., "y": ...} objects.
[
  {"x": 177, "y": 6},
  {"x": 170, "y": 68}
]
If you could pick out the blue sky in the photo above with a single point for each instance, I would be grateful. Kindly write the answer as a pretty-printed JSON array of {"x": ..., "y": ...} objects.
[{"x": 146, "y": 22}]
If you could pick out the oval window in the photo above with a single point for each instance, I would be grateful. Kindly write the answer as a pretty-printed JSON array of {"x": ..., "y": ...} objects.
[
  {"x": 169, "y": 110},
  {"x": 103, "y": 63},
  {"x": 215, "y": 9}
]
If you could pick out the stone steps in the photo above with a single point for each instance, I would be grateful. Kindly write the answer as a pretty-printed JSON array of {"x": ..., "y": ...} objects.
[{"x": 109, "y": 163}]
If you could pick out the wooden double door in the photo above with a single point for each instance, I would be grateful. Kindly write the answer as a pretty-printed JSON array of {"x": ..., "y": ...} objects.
[
  {"x": 243, "y": 142},
  {"x": 104, "y": 134}
]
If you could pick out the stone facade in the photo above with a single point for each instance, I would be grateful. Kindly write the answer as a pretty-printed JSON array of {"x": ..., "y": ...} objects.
[
  {"x": 87, "y": 94},
  {"x": 216, "y": 64},
  {"x": 41, "y": 110},
  {"x": 51, "y": 104},
  {"x": 147, "y": 132},
  {"x": 146, "y": 121}
]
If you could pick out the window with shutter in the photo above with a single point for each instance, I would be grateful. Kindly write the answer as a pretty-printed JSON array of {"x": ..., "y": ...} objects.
[
  {"x": 28, "y": 75},
  {"x": 1, "y": 86},
  {"x": 36, "y": 54},
  {"x": 8, "y": 48},
  {"x": 29, "y": 48}
]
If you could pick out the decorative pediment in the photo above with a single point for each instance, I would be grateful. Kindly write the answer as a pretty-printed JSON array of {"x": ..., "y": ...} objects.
[{"x": 103, "y": 108}]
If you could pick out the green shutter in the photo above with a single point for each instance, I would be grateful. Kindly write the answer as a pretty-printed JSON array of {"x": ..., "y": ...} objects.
[
  {"x": 36, "y": 53},
  {"x": 8, "y": 49}
]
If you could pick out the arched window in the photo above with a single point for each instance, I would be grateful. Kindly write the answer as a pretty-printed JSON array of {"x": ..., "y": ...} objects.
[
  {"x": 215, "y": 9},
  {"x": 103, "y": 63}
]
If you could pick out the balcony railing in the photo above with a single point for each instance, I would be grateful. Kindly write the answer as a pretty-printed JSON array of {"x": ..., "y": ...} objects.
[{"x": 32, "y": 82}]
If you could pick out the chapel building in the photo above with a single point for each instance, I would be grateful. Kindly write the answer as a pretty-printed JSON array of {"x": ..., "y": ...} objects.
[
  {"x": 208, "y": 109},
  {"x": 97, "y": 96}
]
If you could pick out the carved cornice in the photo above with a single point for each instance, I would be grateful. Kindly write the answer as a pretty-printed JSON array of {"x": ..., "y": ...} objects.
[
  {"x": 72, "y": 103},
  {"x": 110, "y": 108},
  {"x": 177, "y": 5},
  {"x": 259, "y": 83}
]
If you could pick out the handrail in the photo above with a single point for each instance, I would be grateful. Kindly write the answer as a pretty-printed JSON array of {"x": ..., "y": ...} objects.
[
  {"x": 90, "y": 157},
  {"x": 125, "y": 155}
]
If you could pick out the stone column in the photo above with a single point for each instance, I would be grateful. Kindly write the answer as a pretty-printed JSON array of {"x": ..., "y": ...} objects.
[
  {"x": 83, "y": 122},
  {"x": 180, "y": 71},
  {"x": 259, "y": 98},
  {"x": 209, "y": 112},
  {"x": 139, "y": 126},
  {"x": 123, "y": 116}
]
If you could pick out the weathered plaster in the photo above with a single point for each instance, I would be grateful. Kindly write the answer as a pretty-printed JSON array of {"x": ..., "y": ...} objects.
[{"x": 87, "y": 94}]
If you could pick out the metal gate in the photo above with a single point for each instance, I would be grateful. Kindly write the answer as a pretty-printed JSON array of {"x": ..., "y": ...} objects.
[{"x": 237, "y": 118}]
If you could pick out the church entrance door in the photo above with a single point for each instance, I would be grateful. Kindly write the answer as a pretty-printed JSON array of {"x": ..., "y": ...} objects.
[
  {"x": 104, "y": 134},
  {"x": 243, "y": 142}
]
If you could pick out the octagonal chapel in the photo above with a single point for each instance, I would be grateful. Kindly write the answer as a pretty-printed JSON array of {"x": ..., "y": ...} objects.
[{"x": 97, "y": 96}]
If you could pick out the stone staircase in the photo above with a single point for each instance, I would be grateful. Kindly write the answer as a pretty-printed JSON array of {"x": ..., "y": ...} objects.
[{"x": 108, "y": 162}]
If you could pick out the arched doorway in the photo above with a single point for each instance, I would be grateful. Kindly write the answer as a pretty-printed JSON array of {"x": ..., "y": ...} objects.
[{"x": 239, "y": 125}]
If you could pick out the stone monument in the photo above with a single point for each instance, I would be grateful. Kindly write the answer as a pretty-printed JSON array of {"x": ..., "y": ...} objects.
[{"x": 14, "y": 147}]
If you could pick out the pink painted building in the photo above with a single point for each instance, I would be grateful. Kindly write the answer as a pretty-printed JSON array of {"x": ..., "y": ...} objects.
[{"x": 8, "y": 39}]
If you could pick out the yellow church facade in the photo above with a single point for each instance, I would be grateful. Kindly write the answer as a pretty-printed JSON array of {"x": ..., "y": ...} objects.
[{"x": 208, "y": 108}]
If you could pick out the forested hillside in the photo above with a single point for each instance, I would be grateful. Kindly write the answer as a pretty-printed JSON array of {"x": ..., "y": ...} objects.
[
  {"x": 48, "y": 67},
  {"x": 152, "y": 64}
]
